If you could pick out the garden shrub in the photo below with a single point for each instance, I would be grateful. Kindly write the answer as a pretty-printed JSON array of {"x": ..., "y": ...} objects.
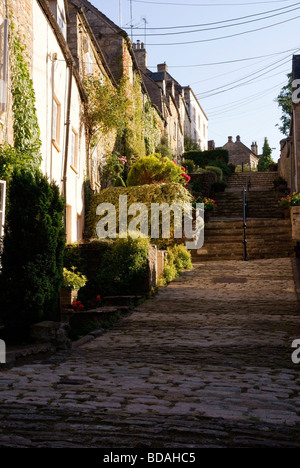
[
  {"x": 189, "y": 165},
  {"x": 170, "y": 272},
  {"x": 146, "y": 194},
  {"x": 154, "y": 170},
  {"x": 179, "y": 259},
  {"x": 219, "y": 186},
  {"x": 32, "y": 258},
  {"x": 112, "y": 267},
  {"x": 217, "y": 170}
]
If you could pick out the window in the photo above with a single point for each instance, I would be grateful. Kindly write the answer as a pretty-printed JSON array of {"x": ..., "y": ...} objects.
[
  {"x": 56, "y": 119},
  {"x": 79, "y": 227},
  {"x": 175, "y": 130},
  {"x": 89, "y": 63},
  {"x": 204, "y": 130},
  {"x": 74, "y": 150},
  {"x": 2, "y": 206},
  {"x": 61, "y": 21},
  {"x": 3, "y": 63},
  {"x": 69, "y": 223},
  {"x": 199, "y": 122}
]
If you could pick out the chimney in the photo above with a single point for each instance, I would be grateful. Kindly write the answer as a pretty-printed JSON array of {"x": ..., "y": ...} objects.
[
  {"x": 211, "y": 145},
  {"x": 162, "y": 67},
  {"x": 140, "y": 55},
  {"x": 230, "y": 139},
  {"x": 254, "y": 147},
  {"x": 238, "y": 138}
]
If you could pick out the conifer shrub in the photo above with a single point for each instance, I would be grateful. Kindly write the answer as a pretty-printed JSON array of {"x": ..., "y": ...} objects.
[{"x": 33, "y": 247}]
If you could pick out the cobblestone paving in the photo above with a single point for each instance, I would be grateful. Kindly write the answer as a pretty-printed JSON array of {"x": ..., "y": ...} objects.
[{"x": 205, "y": 363}]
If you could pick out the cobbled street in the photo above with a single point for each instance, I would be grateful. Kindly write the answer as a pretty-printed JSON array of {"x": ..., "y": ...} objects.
[{"x": 205, "y": 363}]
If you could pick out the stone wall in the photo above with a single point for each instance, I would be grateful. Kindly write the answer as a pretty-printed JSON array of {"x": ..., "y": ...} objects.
[
  {"x": 286, "y": 162},
  {"x": 207, "y": 179},
  {"x": 22, "y": 18}
]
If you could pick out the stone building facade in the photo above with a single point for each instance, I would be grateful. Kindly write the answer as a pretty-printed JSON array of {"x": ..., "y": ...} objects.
[
  {"x": 196, "y": 122},
  {"x": 240, "y": 154},
  {"x": 289, "y": 162},
  {"x": 119, "y": 55},
  {"x": 178, "y": 105},
  {"x": 60, "y": 99}
]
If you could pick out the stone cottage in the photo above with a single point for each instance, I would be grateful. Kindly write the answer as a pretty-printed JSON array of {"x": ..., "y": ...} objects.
[{"x": 240, "y": 154}]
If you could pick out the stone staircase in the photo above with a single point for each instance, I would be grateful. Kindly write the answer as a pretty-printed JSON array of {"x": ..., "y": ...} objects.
[
  {"x": 260, "y": 204},
  {"x": 266, "y": 238},
  {"x": 268, "y": 234},
  {"x": 257, "y": 180}
]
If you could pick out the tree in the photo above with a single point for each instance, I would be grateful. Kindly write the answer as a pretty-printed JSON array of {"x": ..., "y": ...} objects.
[
  {"x": 284, "y": 100},
  {"x": 265, "y": 160},
  {"x": 33, "y": 247}
]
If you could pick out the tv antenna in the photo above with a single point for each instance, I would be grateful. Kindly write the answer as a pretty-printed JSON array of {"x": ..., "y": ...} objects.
[
  {"x": 146, "y": 22},
  {"x": 131, "y": 21}
]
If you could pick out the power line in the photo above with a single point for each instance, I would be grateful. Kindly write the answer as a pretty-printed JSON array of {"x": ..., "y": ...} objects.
[
  {"x": 241, "y": 103},
  {"x": 284, "y": 60},
  {"x": 208, "y": 4},
  {"x": 251, "y": 97},
  {"x": 226, "y": 37},
  {"x": 222, "y": 27},
  {"x": 224, "y": 21},
  {"x": 242, "y": 84},
  {"x": 228, "y": 61}
]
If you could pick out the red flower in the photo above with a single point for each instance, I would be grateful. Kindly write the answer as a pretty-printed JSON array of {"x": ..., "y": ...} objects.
[
  {"x": 98, "y": 298},
  {"x": 183, "y": 169}
]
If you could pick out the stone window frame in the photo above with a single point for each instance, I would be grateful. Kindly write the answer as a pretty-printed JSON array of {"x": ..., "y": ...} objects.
[{"x": 56, "y": 123}]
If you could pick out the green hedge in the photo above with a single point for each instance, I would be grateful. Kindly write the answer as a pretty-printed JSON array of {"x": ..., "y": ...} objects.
[
  {"x": 112, "y": 267},
  {"x": 32, "y": 259},
  {"x": 215, "y": 169},
  {"x": 147, "y": 194},
  {"x": 205, "y": 158}
]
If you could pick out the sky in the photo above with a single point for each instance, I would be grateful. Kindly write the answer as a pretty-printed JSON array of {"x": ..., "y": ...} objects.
[{"x": 235, "y": 55}]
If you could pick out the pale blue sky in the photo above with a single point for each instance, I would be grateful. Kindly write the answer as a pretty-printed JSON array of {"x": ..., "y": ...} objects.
[{"x": 247, "y": 108}]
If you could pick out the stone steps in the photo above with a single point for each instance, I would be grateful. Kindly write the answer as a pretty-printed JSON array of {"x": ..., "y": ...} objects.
[
  {"x": 260, "y": 204},
  {"x": 257, "y": 181},
  {"x": 266, "y": 238}
]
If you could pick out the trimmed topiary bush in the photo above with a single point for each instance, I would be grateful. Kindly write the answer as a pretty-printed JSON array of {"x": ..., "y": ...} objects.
[
  {"x": 154, "y": 170},
  {"x": 146, "y": 194},
  {"x": 32, "y": 259}
]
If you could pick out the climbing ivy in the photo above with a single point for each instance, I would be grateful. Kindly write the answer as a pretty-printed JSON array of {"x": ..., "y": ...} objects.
[
  {"x": 27, "y": 141},
  {"x": 27, "y": 144},
  {"x": 107, "y": 108}
]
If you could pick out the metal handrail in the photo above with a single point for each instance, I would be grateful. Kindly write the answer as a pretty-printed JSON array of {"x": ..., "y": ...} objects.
[{"x": 245, "y": 224}]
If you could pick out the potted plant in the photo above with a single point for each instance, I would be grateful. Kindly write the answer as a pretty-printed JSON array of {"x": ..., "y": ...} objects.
[
  {"x": 209, "y": 206},
  {"x": 73, "y": 280},
  {"x": 288, "y": 202}
]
